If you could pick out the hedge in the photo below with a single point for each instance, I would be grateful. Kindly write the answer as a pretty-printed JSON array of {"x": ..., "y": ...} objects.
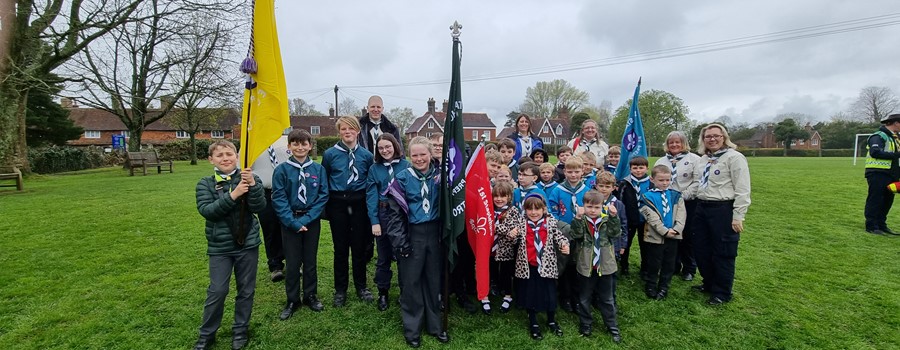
[
  {"x": 55, "y": 159},
  {"x": 181, "y": 149}
]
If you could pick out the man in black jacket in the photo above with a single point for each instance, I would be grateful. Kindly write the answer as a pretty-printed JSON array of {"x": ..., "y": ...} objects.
[{"x": 375, "y": 123}]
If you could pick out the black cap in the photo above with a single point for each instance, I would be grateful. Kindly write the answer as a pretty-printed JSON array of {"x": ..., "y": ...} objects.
[{"x": 891, "y": 118}]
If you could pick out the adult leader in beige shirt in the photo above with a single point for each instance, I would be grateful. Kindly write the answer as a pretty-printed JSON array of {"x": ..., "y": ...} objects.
[{"x": 724, "y": 196}]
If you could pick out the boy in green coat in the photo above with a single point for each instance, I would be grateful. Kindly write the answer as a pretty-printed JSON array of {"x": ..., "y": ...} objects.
[
  {"x": 594, "y": 228},
  {"x": 230, "y": 249}
]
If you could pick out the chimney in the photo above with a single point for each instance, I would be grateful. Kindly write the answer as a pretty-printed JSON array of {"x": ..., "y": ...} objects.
[
  {"x": 65, "y": 102},
  {"x": 446, "y": 104},
  {"x": 364, "y": 111},
  {"x": 431, "y": 105},
  {"x": 563, "y": 113},
  {"x": 166, "y": 101},
  {"x": 331, "y": 111}
]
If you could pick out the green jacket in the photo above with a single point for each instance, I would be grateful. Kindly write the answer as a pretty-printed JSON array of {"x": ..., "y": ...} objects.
[
  {"x": 223, "y": 214},
  {"x": 584, "y": 247}
]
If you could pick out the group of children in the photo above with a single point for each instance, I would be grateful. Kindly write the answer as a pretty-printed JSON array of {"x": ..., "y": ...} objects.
[{"x": 559, "y": 229}]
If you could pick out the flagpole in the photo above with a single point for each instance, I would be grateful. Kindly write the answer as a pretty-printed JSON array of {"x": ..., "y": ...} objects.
[
  {"x": 248, "y": 67},
  {"x": 447, "y": 229}
]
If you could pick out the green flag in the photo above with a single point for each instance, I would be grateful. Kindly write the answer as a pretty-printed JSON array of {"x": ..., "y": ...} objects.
[{"x": 453, "y": 161}]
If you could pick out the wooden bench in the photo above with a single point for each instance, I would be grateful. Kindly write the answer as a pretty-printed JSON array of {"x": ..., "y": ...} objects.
[
  {"x": 144, "y": 160},
  {"x": 11, "y": 173}
]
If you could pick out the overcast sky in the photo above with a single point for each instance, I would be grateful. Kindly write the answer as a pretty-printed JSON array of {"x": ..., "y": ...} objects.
[{"x": 356, "y": 43}]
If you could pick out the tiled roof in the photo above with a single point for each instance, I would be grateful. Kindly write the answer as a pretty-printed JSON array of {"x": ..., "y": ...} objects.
[
  {"x": 101, "y": 120},
  {"x": 470, "y": 120}
]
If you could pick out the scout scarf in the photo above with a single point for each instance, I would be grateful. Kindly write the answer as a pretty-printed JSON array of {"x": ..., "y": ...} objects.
[
  {"x": 525, "y": 191},
  {"x": 423, "y": 180},
  {"x": 390, "y": 166},
  {"x": 499, "y": 213},
  {"x": 674, "y": 160},
  {"x": 704, "y": 180},
  {"x": 525, "y": 142},
  {"x": 639, "y": 185},
  {"x": 663, "y": 202},
  {"x": 536, "y": 228},
  {"x": 354, "y": 174},
  {"x": 595, "y": 228},
  {"x": 223, "y": 179},
  {"x": 573, "y": 191},
  {"x": 272, "y": 158},
  {"x": 301, "y": 189}
]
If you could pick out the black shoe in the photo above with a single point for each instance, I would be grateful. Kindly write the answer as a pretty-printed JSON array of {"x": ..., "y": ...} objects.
[
  {"x": 414, "y": 343},
  {"x": 239, "y": 341},
  {"x": 888, "y": 231},
  {"x": 276, "y": 276},
  {"x": 442, "y": 337},
  {"x": 585, "y": 330},
  {"x": 365, "y": 295},
  {"x": 688, "y": 277},
  {"x": 567, "y": 306},
  {"x": 624, "y": 271},
  {"x": 536, "y": 333},
  {"x": 204, "y": 343},
  {"x": 555, "y": 328},
  {"x": 876, "y": 232},
  {"x": 383, "y": 302},
  {"x": 314, "y": 304},
  {"x": 289, "y": 310},
  {"x": 700, "y": 288},
  {"x": 616, "y": 336},
  {"x": 505, "y": 305},
  {"x": 486, "y": 307},
  {"x": 650, "y": 292},
  {"x": 662, "y": 294},
  {"x": 340, "y": 299},
  {"x": 714, "y": 301}
]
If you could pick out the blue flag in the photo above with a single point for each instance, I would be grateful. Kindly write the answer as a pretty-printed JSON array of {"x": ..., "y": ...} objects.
[{"x": 633, "y": 142}]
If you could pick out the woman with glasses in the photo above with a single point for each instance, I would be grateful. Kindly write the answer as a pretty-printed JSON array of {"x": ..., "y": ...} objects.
[
  {"x": 590, "y": 140},
  {"x": 723, "y": 193}
]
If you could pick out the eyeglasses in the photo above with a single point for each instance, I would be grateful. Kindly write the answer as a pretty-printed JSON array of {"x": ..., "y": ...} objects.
[{"x": 712, "y": 137}]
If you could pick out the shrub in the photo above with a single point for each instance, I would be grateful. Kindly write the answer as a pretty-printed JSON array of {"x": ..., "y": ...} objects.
[
  {"x": 55, "y": 159},
  {"x": 181, "y": 149}
]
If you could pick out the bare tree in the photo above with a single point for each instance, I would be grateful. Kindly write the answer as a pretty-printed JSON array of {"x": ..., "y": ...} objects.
[
  {"x": 348, "y": 106},
  {"x": 38, "y": 36},
  {"x": 134, "y": 66},
  {"x": 546, "y": 98},
  {"x": 402, "y": 117},
  {"x": 299, "y": 106},
  {"x": 874, "y": 103},
  {"x": 210, "y": 89}
]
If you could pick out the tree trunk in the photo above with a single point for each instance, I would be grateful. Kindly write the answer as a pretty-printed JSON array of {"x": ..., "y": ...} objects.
[
  {"x": 22, "y": 144},
  {"x": 193, "y": 149},
  {"x": 786, "y": 146},
  {"x": 8, "y": 127},
  {"x": 134, "y": 138}
]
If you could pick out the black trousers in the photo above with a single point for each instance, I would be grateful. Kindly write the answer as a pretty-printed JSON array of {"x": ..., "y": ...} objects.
[
  {"x": 350, "y": 232},
  {"x": 506, "y": 271},
  {"x": 685, "y": 263},
  {"x": 271, "y": 231},
  {"x": 383, "y": 272},
  {"x": 879, "y": 200},
  {"x": 605, "y": 288},
  {"x": 660, "y": 264},
  {"x": 420, "y": 276},
  {"x": 244, "y": 265},
  {"x": 301, "y": 250},
  {"x": 462, "y": 278},
  {"x": 716, "y": 247},
  {"x": 634, "y": 231}
]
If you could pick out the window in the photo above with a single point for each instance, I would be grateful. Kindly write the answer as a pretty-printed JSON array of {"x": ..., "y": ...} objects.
[
  {"x": 559, "y": 129},
  {"x": 125, "y": 133},
  {"x": 431, "y": 124},
  {"x": 815, "y": 142},
  {"x": 181, "y": 134},
  {"x": 546, "y": 140},
  {"x": 91, "y": 134},
  {"x": 217, "y": 134},
  {"x": 793, "y": 142},
  {"x": 314, "y": 130},
  {"x": 802, "y": 142},
  {"x": 474, "y": 135},
  {"x": 545, "y": 129},
  {"x": 428, "y": 134}
]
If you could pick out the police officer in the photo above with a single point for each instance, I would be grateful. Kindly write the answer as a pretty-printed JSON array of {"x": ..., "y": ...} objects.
[
  {"x": 724, "y": 196},
  {"x": 882, "y": 169}
]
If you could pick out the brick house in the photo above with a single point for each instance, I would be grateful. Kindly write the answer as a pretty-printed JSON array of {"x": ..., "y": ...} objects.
[
  {"x": 765, "y": 138},
  {"x": 99, "y": 127},
  {"x": 475, "y": 125},
  {"x": 552, "y": 131}
]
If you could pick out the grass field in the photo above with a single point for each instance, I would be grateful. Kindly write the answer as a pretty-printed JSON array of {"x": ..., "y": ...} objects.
[{"x": 101, "y": 260}]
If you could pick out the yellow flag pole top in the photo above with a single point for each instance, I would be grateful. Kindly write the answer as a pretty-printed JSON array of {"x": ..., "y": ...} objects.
[{"x": 265, "y": 115}]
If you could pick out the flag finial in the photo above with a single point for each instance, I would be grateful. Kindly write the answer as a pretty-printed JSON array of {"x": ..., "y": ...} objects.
[{"x": 455, "y": 30}]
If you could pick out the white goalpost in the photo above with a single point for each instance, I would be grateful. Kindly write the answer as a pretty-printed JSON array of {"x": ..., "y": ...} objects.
[{"x": 856, "y": 146}]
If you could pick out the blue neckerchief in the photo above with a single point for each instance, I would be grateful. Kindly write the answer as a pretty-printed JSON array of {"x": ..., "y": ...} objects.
[{"x": 663, "y": 203}]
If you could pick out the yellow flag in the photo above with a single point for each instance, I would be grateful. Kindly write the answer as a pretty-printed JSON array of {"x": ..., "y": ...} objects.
[{"x": 265, "y": 114}]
